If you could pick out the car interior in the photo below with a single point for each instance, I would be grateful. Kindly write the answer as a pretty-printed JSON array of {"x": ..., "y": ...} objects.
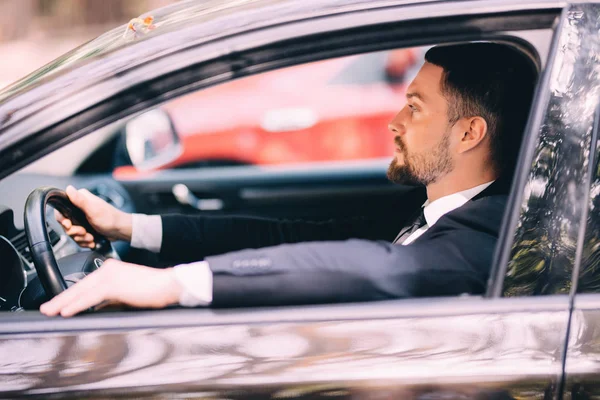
[{"x": 281, "y": 155}]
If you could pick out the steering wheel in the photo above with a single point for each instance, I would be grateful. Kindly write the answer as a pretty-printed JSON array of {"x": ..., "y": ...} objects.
[{"x": 42, "y": 253}]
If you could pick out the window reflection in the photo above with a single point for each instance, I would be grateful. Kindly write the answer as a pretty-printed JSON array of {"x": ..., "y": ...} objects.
[
  {"x": 589, "y": 275},
  {"x": 544, "y": 247}
]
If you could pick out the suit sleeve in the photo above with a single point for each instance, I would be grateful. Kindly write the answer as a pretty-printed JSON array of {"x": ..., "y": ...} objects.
[
  {"x": 187, "y": 238},
  {"x": 192, "y": 238},
  {"x": 452, "y": 257}
]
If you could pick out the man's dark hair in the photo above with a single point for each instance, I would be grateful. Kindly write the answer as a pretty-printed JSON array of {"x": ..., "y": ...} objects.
[{"x": 492, "y": 81}]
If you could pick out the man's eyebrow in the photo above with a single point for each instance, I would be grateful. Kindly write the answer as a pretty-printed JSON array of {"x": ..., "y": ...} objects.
[{"x": 415, "y": 95}]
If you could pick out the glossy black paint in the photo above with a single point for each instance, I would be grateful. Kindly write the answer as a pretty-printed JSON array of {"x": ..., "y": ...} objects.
[
  {"x": 582, "y": 365},
  {"x": 467, "y": 348},
  {"x": 589, "y": 274},
  {"x": 543, "y": 253}
]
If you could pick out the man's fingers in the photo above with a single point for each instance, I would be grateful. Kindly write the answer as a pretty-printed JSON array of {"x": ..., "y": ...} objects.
[
  {"x": 81, "y": 198},
  {"x": 58, "y": 216},
  {"x": 74, "y": 196},
  {"x": 82, "y": 303},
  {"x": 85, "y": 243},
  {"x": 82, "y": 237},
  {"x": 86, "y": 238},
  {"x": 78, "y": 233},
  {"x": 76, "y": 230},
  {"x": 66, "y": 223},
  {"x": 90, "y": 284},
  {"x": 54, "y": 306},
  {"x": 111, "y": 284}
]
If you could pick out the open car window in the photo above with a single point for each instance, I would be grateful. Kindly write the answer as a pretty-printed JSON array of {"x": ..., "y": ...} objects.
[
  {"x": 329, "y": 111},
  {"x": 325, "y": 111}
]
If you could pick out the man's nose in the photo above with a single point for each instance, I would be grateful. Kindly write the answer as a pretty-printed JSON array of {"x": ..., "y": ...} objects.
[{"x": 395, "y": 126}]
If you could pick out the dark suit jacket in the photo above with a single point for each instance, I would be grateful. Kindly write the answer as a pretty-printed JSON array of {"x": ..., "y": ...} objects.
[{"x": 348, "y": 262}]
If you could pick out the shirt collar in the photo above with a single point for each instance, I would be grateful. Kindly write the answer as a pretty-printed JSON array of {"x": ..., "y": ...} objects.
[{"x": 436, "y": 209}]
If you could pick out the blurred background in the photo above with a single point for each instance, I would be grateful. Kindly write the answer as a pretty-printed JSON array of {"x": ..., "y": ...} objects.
[{"x": 35, "y": 32}]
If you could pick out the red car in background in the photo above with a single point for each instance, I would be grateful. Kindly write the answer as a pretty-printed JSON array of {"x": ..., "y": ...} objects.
[{"x": 325, "y": 111}]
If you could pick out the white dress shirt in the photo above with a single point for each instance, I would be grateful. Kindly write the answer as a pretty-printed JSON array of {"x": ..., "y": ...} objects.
[
  {"x": 436, "y": 209},
  {"x": 196, "y": 278}
]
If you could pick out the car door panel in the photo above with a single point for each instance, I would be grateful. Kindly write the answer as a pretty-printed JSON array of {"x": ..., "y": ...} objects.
[
  {"x": 310, "y": 192},
  {"x": 582, "y": 365},
  {"x": 467, "y": 348},
  {"x": 553, "y": 251}
]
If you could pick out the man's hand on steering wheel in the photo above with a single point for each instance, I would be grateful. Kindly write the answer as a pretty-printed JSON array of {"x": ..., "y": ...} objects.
[
  {"x": 109, "y": 221},
  {"x": 117, "y": 282},
  {"x": 93, "y": 285}
]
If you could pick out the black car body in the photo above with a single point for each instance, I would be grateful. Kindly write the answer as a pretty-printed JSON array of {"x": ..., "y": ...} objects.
[{"x": 535, "y": 334}]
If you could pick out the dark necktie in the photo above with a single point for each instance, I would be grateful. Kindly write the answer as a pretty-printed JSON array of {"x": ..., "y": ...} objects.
[{"x": 408, "y": 230}]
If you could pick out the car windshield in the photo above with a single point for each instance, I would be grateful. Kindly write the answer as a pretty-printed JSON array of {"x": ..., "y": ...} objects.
[{"x": 223, "y": 17}]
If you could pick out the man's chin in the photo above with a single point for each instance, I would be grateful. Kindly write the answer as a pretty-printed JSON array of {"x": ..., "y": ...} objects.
[{"x": 401, "y": 174}]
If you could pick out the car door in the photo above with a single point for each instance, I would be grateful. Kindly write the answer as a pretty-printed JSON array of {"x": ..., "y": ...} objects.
[
  {"x": 461, "y": 347},
  {"x": 582, "y": 364}
]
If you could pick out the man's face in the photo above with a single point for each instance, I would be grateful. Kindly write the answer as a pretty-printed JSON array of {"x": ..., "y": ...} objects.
[{"x": 422, "y": 132}]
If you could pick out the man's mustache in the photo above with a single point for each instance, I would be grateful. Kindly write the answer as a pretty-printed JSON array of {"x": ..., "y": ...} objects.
[{"x": 400, "y": 144}]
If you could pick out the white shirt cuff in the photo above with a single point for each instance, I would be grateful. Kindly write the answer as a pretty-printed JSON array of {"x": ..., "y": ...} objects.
[
  {"x": 146, "y": 232},
  {"x": 196, "y": 279}
]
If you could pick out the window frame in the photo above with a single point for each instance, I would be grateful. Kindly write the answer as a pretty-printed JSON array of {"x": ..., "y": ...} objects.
[
  {"x": 524, "y": 160},
  {"x": 538, "y": 118},
  {"x": 593, "y": 163},
  {"x": 451, "y": 28}
]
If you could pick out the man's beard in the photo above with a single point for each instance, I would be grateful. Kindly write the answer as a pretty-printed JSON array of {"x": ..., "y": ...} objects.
[{"x": 421, "y": 168}]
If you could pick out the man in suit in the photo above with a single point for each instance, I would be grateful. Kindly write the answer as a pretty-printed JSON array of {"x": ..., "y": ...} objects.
[{"x": 458, "y": 135}]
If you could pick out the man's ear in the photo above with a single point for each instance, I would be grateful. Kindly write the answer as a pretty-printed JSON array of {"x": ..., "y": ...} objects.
[{"x": 473, "y": 132}]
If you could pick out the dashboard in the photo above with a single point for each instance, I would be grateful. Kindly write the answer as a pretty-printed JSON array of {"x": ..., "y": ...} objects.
[
  {"x": 13, "y": 277},
  {"x": 17, "y": 271}
]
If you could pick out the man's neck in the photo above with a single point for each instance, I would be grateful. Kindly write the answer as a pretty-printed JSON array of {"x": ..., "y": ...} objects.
[{"x": 454, "y": 183}]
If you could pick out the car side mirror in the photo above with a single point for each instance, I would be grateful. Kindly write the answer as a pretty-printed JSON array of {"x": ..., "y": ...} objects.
[{"x": 151, "y": 140}]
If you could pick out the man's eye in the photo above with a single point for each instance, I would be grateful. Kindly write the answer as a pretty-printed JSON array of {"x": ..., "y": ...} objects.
[{"x": 412, "y": 108}]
